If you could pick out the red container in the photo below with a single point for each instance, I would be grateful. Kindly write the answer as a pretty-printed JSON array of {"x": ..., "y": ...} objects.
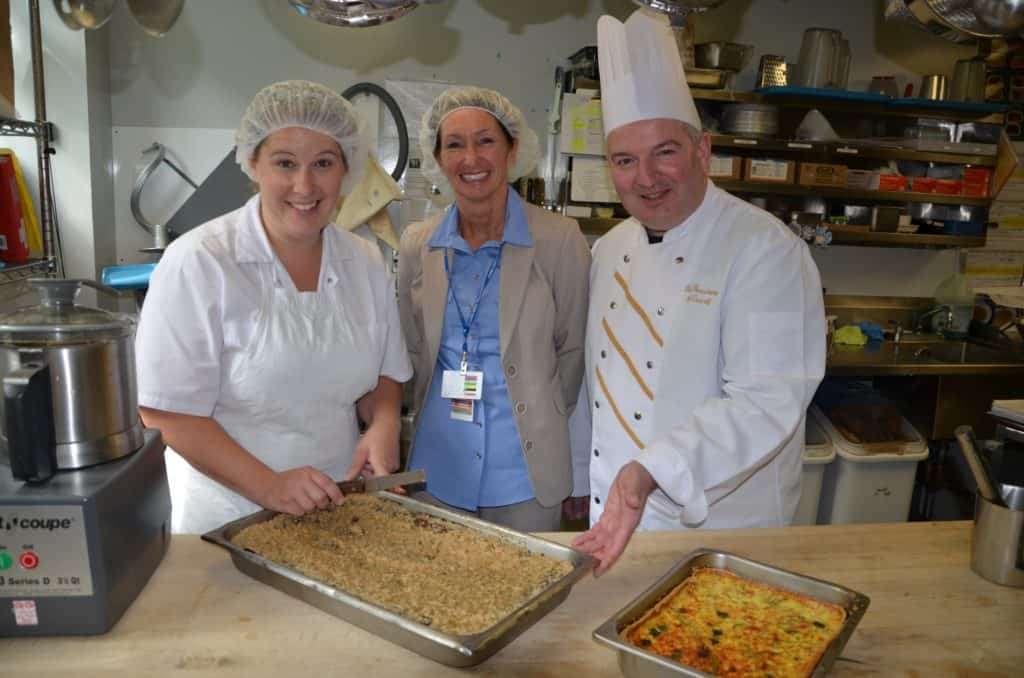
[
  {"x": 13, "y": 236},
  {"x": 975, "y": 189},
  {"x": 922, "y": 185},
  {"x": 977, "y": 175},
  {"x": 949, "y": 186},
  {"x": 892, "y": 182}
]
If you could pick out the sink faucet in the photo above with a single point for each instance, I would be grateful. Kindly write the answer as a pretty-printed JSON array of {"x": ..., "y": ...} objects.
[
  {"x": 942, "y": 308},
  {"x": 897, "y": 331}
]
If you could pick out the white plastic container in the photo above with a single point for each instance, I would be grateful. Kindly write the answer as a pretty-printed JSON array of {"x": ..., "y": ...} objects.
[
  {"x": 868, "y": 487},
  {"x": 818, "y": 454}
]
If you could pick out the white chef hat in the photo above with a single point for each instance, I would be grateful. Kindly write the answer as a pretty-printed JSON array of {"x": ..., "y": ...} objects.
[{"x": 642, "y": 75}]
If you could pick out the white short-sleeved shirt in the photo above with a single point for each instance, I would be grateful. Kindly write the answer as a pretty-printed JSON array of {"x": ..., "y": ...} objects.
[{"x": 204, "y": 301}]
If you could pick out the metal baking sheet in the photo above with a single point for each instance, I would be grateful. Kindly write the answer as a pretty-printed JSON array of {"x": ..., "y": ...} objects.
[
  {"x": 637, "y": 663},
  {"x": 445, "y": 648}
]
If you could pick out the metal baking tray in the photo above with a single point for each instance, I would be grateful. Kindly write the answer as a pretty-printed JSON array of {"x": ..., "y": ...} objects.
[
  {"x": 708, "y": 78},
  {"x": 637, "y": 663},
  {"x": 447, "y": 649}
]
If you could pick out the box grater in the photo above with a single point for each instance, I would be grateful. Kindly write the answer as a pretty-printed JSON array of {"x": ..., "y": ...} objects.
[{"x": 772, "y": 71}]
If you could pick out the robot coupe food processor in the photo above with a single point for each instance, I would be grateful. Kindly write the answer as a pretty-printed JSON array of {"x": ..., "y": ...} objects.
[{"x": 84, "y": 505}]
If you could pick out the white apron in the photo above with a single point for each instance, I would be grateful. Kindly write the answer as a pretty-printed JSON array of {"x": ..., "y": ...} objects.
[{"x": 289, "y": 399}]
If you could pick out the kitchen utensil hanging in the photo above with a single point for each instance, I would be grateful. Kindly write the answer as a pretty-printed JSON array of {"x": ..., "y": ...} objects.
[
  {"x": 91, "y": 13},
  {"x": 158, "y": 231},
  {"x": 679, "y": 8},
  {"x": 960, "y": 20},
  {"x": 156, "y": 16},
  {"x": 1003, "y": 16},
  {"x": 356, "y": 13}
]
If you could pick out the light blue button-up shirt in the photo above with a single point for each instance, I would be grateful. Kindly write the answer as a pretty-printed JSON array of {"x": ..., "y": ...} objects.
[{"x": 478, "y": 463}]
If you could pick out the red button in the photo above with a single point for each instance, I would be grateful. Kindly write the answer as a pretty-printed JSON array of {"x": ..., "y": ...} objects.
[{"x": 28, "y": 560}]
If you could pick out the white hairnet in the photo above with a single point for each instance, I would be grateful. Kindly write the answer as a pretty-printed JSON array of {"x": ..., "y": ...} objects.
[
  {"x": 495, "y": 103},
  {"x": 300, "y": 103}
]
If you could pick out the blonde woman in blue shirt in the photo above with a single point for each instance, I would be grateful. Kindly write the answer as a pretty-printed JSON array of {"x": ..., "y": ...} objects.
[{"x": 493, "y": 302}]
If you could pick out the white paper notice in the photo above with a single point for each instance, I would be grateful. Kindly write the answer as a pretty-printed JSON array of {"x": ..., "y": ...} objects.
[
  {"x": 592, "y": 181},
  {"x": 582, "y": 125}
]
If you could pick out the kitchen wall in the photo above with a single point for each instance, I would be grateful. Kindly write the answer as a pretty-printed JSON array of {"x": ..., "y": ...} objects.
[
  {"x": 78, "y": 102},
  {"x": 189, "y": 89}
]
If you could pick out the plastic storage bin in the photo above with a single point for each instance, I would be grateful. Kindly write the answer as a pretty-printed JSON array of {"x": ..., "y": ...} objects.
[
  {"x": 818, "y": 454},
  {"x": 866, "y": 484}
]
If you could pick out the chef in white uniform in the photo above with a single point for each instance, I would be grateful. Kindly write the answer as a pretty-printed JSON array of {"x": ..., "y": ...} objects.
[
  {"x": 267, "y": 331},
  {"x": 706, "y": 331}
]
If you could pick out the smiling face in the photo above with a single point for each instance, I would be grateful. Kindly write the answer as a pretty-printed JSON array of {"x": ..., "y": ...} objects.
[
  {"x": 299, "y": 173},
  {"x": 659, "y": 170},
  {"x": 475, "y": 153}
]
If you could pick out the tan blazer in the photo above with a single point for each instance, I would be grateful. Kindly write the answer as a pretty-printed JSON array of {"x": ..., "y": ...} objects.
[{"x": 542, "y": 325}]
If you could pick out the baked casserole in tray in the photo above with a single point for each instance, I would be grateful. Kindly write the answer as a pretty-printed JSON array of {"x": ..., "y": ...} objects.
[
  {"x": 445, "y": 585},
  {"x": 716, "y": 614}
]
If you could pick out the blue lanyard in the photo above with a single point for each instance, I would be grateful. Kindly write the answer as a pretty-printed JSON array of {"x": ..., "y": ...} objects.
[{"x": 466, "y": 325}]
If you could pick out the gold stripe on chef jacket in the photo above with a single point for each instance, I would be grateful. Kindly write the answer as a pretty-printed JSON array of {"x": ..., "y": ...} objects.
[
  {"x": 615, "y": 409},
  {"x": 639, "y": 309},
  {"x": 629, "y": 362}
]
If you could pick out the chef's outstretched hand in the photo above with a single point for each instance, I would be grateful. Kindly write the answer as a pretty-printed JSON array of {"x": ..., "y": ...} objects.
[
  {"x": 376, "y": 453},
  {"x": 300, "y": 490},
  {"x": 622, "y": 510}
]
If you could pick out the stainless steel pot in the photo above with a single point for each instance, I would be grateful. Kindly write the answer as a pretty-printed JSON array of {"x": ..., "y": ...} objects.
[
  {"x": 70, "y": 396},
  {"x": 997, "y": 543}
]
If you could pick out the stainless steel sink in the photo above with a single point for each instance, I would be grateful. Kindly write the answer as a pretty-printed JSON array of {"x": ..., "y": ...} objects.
[
  {"x": 923, "y": 357},
  {"x": 958, "y": 352}
]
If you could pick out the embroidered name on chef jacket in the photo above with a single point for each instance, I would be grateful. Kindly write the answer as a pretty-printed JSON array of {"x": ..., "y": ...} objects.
[{"x": 695, "y": 294}]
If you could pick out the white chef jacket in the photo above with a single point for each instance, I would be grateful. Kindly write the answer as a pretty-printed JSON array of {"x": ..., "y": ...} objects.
[
  {"x": 702, "y": 355},
  {"x": 224, "y": 333}
]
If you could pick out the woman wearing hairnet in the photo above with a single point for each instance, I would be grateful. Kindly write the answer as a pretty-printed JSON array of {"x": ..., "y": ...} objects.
[
  {"x": 267, "y": 331},
  {"x": 493, "y": 299}
]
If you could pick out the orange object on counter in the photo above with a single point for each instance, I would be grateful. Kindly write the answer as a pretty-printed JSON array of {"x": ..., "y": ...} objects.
[
  {"x": 892, "y": 182},
  {"x": 13, "y": 234}
]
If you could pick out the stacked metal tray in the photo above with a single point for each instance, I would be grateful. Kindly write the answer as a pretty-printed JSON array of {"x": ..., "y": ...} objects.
[
  {"x": 445, "y": 648},
  {"x": 639, "y": 663}
]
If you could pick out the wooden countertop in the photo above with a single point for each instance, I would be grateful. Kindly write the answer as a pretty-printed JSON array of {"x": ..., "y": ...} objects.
[{"x": 930, "y": 615}]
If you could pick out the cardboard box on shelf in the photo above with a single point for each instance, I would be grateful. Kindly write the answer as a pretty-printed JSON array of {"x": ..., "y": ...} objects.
[
  {"x": 861, "y": 180},
  {"x": 822, "y": 174},
  {"x": 769, "y": 170},
  {"x": 725, "y": 166}
]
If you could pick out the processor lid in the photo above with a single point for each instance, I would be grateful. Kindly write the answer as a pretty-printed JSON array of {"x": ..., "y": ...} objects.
[{"x": 57, "y": 319}]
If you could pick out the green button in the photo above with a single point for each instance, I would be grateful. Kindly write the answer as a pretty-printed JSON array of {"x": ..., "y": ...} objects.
[{"x": 5, "y": 560}]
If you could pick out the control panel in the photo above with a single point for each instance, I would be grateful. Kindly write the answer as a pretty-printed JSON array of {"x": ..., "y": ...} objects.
[{"x": 43, "y": 552}]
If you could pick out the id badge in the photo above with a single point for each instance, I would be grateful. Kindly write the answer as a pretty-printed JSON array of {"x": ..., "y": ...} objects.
[
  {"x": 462, "y": 386},
  {"x": 461, "y": 410}
]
